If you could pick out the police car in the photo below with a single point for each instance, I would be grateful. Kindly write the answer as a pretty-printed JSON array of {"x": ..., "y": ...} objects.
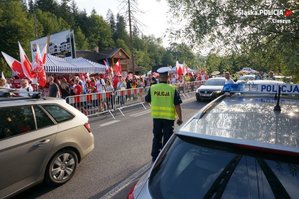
[{"x": 244, "y": 144}]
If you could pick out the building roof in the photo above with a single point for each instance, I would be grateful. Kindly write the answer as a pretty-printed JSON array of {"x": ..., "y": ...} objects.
[
  {"x": 69, "y": 65},
  {"x": 109, "y": 53}
]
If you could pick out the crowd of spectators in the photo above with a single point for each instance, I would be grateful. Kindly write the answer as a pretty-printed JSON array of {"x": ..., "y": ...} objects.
[{"x": 63, "y": 86}]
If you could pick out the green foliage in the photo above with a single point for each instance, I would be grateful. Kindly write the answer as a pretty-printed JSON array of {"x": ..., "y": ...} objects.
[
  {"x": 122, "y": 44},
  {"x": 48, "y": 23},
  {"x": 81, "y": 41},
  {"x": 45, "y": 17},
  {"x": 244, "y": 40},
  {"x": 15, "y": 25}
]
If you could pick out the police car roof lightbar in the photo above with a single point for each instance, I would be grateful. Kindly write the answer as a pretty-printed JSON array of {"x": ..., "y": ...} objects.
[{"x": 290, "y": 89}]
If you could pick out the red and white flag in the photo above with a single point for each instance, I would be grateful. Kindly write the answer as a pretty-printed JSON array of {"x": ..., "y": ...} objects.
[
  {"x": 107, "y": 66},
  {"x": 44, "y": 54},
  {"x": 25, "y": 63},
  {"x": 14, "y": 64},
  {"x": 185, "y": 69},
  {"x": 38, "y": 71},
  {"x": 179, "y": 69},
  {"x": 117, "y": 68}
]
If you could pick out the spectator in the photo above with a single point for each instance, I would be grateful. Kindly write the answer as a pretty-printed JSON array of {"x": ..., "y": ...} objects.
[
  {"x": 228, "y": 79},
  {"x": 3, "y": 83},
  {"x": 77, "y": 88},
  {"x": 271, "y": 76},
  {"x": 53, "y": 88},
  {"x": 64, "y": 88},
  {"x": 25, "y": 89},
  {"x": 100, "y": 85}
]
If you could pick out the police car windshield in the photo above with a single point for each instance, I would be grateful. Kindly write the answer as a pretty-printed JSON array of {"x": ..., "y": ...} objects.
[
  {"x": 251, "y": 118},
  {"x": 215, "y": 82}
]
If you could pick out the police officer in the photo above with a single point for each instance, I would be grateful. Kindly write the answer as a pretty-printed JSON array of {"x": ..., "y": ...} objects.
[{"x": 165, "y": 104}]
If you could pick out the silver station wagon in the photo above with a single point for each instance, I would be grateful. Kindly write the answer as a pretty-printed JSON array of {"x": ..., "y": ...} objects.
[
  {"x": 241, "y": 145},
  {"x": 40, "y": 140}
]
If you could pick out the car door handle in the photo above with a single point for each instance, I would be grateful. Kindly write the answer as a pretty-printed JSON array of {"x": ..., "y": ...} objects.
[{"x": 42, "y": 142}]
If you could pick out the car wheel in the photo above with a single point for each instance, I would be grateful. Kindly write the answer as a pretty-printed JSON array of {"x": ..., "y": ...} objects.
[{"x": 61, "y": 167}]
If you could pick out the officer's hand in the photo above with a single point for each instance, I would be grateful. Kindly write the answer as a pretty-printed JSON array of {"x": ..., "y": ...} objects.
[{"x": 179, "y": 122}]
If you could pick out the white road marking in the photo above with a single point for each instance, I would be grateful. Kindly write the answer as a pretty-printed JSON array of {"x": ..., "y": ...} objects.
[
  {"x": 108, "y": 123},
  {"x": 126, "y": 182},
  {"x": 140, "y": 113}
]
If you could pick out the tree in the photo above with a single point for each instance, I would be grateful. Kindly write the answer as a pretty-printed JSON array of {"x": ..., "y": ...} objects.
[
  {"x": 15, "y": 25},
  {"x": 230, "y": 24},
  {"x": 183, "y": 53},
  {"x": 122, "y": 44},
  {"x": 120, "y": 32},
  {"x": 99, "y": 33},
  {"x": 49, "y": 23},
  {"x": 47, "y": 6},
  {"x": 81, "y": 41}
]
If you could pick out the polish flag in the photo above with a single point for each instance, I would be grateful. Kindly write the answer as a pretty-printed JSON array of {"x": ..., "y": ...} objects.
[
  {"x": 117, "y": 68},
  {"x": 185, "y": 69},
  {"x": 179, "y": 68},
  {"x": 106, "y": 64},
  {"x": 44, "y": 54},
  {"x": 25, "y": 63},
  {"x": 37, "y": 62},
  {"x": 38, "y": 71},
  {"x": 14, "y": 64},
  {"x": 111, "y": 71}
]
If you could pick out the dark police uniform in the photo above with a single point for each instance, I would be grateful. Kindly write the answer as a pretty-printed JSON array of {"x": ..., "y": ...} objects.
[{"x": 163, "y": 98}]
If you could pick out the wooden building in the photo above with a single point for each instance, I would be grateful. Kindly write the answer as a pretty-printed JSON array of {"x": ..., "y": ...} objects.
[{"x": 112, "y": 55}]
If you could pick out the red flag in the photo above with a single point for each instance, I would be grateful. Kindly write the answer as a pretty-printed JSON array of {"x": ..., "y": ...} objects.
[
  {"x": 14, "y": 64},
  {"x": 26, "y": 64},
  {"x": 38, "y": 70},
  {"x": 117, "y": 68},
  {"x": 179, "y": 68}
]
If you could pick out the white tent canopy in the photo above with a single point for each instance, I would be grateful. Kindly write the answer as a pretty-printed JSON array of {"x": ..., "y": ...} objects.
[{"x": 69, "y": 65}]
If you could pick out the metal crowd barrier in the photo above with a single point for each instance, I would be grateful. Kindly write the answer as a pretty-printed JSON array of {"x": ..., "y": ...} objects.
[
  {"x": 129, "y": 97},
  {"x": 93, "y": 103},
  {"x": 107, "y": 102}
]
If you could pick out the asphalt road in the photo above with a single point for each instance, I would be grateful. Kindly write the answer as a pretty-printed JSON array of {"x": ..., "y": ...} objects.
[{"x": 122, "y": 147}]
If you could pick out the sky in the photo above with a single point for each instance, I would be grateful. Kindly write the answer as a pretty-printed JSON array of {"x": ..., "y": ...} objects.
[{"x": 154, "y": 16}]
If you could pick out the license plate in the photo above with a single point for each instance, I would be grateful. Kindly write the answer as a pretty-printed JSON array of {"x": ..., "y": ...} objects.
[{"x": 205, "y": 95}]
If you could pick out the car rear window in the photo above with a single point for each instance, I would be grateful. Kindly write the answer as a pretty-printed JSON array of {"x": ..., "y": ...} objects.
[
  {"x": 191, "y": 169},
  {"x": 42, "y": 119},
  {"x": 58, "y": 113}
]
